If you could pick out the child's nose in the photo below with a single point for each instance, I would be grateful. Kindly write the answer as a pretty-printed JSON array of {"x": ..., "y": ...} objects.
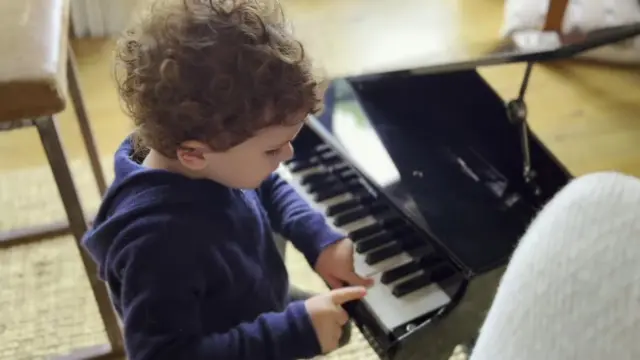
[{"x": 287, "y": 153}]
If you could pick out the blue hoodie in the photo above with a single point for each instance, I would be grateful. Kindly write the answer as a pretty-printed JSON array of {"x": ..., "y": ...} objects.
[{"x": 193, "y": 269}]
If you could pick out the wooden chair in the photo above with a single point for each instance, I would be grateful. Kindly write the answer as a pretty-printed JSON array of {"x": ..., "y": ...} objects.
[{"x": 37, "y": 77}]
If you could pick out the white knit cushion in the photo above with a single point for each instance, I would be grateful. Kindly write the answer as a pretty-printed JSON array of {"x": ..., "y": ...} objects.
[
  {"x": 572, "y": 288},
  {"x": 581, "y": 16}
]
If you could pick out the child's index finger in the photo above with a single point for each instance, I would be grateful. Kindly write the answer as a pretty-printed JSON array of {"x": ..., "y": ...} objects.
[{"x": 346, "y": 294}]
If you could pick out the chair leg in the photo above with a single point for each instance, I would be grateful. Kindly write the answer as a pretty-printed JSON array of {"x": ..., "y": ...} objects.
[
  {"x": 62, "y": 175},
  {"x": 555, "y": 15},
  {"x": 75, "y": 93}
]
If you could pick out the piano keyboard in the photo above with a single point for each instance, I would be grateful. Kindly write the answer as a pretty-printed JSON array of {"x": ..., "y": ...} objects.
[{"x": 406, "y": 270}]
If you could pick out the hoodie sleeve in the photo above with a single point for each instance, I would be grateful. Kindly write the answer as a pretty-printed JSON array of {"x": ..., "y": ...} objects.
[
  {"x": 161, "y": 299},
  {"x": 293, "y": 218}
]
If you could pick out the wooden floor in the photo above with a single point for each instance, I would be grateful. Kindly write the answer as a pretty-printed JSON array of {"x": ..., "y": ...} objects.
[{"x": 587, "y": 114}]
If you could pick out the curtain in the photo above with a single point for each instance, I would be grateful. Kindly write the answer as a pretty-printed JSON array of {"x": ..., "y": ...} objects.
[{"x": 101, "y": 18}]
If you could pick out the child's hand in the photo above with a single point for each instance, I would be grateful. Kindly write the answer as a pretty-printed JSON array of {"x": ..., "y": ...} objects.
[
  {"x": 335, "y": 266},
  {"x": 328, "y": 316}
]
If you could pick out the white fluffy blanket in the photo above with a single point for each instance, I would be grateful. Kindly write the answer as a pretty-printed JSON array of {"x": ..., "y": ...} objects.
[{"x": 581, "y": 16}]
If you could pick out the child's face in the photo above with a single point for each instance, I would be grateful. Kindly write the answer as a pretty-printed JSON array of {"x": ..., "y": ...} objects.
[{"x": 245, "y": 165}]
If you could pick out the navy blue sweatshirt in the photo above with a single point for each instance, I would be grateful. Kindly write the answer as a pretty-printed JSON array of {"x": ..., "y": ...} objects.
[{"x": 193, "y": 269}]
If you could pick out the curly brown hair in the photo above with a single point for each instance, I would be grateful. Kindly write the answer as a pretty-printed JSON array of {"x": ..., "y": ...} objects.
[{"x": 214, "y": 71}]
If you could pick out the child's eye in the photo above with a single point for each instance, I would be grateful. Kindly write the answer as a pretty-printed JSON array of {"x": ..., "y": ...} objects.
[{"x": 272, "y": 152}]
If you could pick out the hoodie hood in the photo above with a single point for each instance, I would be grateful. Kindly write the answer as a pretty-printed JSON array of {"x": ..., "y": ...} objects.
[{"x": 142, "y": 195}]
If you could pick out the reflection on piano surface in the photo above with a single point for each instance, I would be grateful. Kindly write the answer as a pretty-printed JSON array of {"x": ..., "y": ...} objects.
[{"x": 429, "y": 187}]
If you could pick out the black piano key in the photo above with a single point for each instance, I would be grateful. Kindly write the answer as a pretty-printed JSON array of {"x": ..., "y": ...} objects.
[
  {"x": 351, "y": 216},
  {"x": 330, "y": 158},
  {"x": 301, "y": 165},
  {"x": 382, "y": 224},
  {"x": 442, "y": 273},
  {"x": 381, "y": 238},
  {"x": 328, "y": 194},
  {"x": 377, "y": 207},
  {"x": 342, "y": 206},
  {"x": 414, "y": 241},
  {"x": 424, "y": 262},
  {"x": 373, "y": 242},
  {"x": 328, "y": 183},
  {"x": 324, "y": 151},
  {"x": 414, "y": 284},
  {"x": 391, "y": 222},
  {"x": 314, "y": 177},
  {"x": 399, "y": 272},
  {"x": 400, "y": 230},
  {"x": 359, "y": 212},
  {"x": 365, "y": 231},
  {"x": 337, "y": 189},
  {"x": 322, "y": 148},
  {"x": 331, "y": 161},
  {"x": 339, "y": 168},
  {"x": 363, "y": 199},
  {"x": 347, "y": 175},
  {"x": 423, "y": 280},
  {"x": 383, "y": 253},
  {"x": 430, "y": 260}
]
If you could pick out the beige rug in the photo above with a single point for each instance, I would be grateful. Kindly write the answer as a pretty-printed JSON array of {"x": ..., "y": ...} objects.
[{"x": 46, "y": 306}]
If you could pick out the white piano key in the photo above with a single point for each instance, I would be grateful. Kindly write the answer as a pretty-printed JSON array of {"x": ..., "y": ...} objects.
[
  {"x": 360, "y": 266},
  {"x": 392, "y": 311},
  {"x": 358, "y": 224},
  {"x": 323, "y": 205}
]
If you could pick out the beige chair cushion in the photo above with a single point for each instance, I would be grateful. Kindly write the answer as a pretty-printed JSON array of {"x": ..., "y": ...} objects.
[{"x": 33, "y": 39}]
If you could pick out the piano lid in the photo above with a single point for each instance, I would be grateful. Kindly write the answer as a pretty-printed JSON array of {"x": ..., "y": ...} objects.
[
  {"x": 423, "y": 182},
  {"x": 451, "y": 164},
  {"x": 365, "y": 37}
]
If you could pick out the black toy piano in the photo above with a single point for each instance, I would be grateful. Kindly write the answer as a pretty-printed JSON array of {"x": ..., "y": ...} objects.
[{"x": 435, "y": 187}]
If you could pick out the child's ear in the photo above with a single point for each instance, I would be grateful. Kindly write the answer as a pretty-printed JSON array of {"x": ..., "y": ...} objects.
[{"x": 191, "y": 155}]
